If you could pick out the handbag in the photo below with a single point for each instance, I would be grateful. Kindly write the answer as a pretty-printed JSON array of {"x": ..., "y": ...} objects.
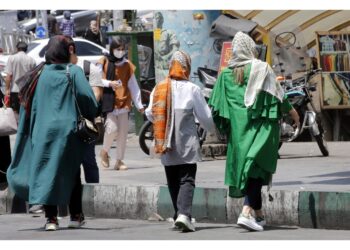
[
  {"x": 86, "y": 129},
  {"x": 8, "y": 122}
]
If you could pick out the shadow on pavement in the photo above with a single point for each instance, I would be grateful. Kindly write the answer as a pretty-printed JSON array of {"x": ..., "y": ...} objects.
[
  {"x": 211, "y": 227},
  {"x": 336, "y": 174}
]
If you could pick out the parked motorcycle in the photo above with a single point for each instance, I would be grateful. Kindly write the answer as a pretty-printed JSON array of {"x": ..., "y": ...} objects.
[{"x": 299, "y": 95}]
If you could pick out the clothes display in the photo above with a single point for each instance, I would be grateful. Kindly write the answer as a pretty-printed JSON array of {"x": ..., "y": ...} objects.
[{"x": 335, "y": 62}]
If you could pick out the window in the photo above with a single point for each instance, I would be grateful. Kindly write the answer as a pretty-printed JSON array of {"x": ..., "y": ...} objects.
[
  {"x": 31, "y": 46},
  {"x": 87, "y": 49},
  {"x": 43, "y": 51}
]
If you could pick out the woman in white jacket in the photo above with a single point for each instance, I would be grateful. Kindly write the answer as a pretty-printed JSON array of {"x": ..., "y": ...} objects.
[{"x": 175, "y": 104}]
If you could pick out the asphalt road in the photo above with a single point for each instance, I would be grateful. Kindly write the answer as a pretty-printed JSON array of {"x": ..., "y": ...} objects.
[{"x": 28, "y": 227}]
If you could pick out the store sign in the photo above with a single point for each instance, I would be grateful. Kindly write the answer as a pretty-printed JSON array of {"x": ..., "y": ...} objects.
[{"x": 226, "y": 55}]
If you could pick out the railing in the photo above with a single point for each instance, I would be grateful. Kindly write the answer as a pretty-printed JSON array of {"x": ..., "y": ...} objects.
[{"x": 10, "y": 39}]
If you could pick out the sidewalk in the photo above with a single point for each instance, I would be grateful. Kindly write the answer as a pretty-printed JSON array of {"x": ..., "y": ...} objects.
[{"x": 309, "y": 190}]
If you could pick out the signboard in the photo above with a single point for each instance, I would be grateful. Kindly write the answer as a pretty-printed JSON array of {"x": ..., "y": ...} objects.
[
  {"x": 226, "y": 54},
  {"x": 40, "y": 32}
]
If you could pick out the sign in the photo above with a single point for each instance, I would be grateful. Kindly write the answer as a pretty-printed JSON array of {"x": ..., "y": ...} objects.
[
  {"x": 226, "y": 54},
  {"x": 40, "y": 32}
]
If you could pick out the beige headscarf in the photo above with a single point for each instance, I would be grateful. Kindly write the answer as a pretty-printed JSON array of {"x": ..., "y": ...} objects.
[{"x": 262, "y": 77}]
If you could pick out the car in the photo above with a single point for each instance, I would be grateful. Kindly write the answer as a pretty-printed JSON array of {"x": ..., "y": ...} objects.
[
  {"x": 85, "y": 50},
  {"x": 81, "y": 19}
]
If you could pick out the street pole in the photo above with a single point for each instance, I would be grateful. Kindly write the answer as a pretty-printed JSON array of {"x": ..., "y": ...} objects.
[{"x": 44, "y": 22}]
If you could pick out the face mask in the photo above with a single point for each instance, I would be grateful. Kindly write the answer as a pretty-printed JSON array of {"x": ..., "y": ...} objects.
[{"x": 118, "y": 53}]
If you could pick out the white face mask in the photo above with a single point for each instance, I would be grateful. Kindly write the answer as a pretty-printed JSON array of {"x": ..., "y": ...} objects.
[{"x": 118, "y": 53}]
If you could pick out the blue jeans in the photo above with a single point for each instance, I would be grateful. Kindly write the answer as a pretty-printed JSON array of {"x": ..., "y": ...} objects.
[{"x": 90, "y": 166}]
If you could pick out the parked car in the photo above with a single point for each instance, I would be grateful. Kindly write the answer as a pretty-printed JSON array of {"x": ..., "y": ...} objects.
[
  {"x": 85, "y": 49},
  {"x": 81, "y": 18}
]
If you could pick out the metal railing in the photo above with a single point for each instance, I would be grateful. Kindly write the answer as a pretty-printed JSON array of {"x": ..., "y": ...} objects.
[{"x": 10, "y": 39}]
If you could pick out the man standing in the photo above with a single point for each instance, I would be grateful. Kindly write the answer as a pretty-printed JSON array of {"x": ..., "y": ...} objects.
[
  {"x": 17, "y": 66},
  {"x": 67, "y": 26}
]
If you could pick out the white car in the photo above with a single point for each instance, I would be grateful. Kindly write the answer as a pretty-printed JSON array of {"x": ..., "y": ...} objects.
[{"x": 85, "y": 50}]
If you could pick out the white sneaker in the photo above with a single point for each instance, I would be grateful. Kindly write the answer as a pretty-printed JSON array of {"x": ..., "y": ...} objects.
[
  {"x": 51, "y": 225},
  {"x": 261, "y": 221},
  {"x": 248, "y": 222},
  {"x": 184, "y": 223},
  {"x": 76, "y": 222}
]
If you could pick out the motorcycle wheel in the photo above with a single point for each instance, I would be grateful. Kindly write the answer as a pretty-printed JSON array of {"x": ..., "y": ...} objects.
[
  {"x": 146, "y": 136},
  {"x": 322, "y": 144}
]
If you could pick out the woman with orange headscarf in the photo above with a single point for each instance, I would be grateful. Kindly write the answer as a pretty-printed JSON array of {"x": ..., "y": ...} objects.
[{"x": 175, "y": 104}]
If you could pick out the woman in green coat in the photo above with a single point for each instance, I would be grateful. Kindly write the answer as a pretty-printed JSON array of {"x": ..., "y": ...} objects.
[
  {"x": 247, "y": 103},
  {"x": 46, "y": 162}
]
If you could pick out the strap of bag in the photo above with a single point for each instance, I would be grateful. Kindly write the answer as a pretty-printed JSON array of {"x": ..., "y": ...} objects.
[
  {"x": 70, "y": 82},
  {"x": 87, "y": 69}
]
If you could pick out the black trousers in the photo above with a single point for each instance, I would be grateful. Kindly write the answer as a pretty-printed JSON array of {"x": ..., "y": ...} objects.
[
  {"x": 181, "y": 184},
  {"x": 75, "y": 204},
  {"x": 90, "y": 166},
  {"x": 253, "y": 193}
]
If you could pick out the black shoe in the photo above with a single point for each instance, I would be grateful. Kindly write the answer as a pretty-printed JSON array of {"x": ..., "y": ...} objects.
[{"x": 77, "y": 221}]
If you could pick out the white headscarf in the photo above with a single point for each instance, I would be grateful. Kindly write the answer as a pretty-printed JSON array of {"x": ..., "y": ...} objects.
[{"x": 261, "y": 75}]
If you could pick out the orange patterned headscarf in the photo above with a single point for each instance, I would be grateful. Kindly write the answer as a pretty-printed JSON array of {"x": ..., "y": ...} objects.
[{"x": 180, "y": 68}]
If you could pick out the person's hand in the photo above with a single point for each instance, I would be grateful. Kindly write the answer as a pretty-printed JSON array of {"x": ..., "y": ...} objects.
[
  {"x": 115, "y": 84},
  {"x": 7, "y": 92},
  {"x": 142, "y": 110}
]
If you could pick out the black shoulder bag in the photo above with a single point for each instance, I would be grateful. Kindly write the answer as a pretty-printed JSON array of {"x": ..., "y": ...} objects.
[{"x": 86, "y": 130}]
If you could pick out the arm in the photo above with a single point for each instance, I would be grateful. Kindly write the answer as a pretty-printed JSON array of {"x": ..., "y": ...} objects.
[
  {"x": 148, "y": 110},
  {"x": 135, "y": 93},
  {"x": 8, "y": 80},
  {"x": 202, "y": 111},
  {"x": 85, "y": 96},
  {"x": 295, "y": 116}
]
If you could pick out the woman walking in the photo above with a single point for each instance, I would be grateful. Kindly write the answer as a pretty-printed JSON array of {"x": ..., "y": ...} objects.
[
  {"x": 247, "y": 103},
  {"x": 120, "y": 89},
  {"x": 174, "y": 105},
  {"x": 46, "y": 162}
]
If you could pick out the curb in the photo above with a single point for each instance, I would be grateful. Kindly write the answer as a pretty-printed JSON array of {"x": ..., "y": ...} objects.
[{"x": 326, "y": 210}]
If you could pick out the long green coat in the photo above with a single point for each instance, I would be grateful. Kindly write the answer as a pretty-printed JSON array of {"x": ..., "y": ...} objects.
[
  {"x": 47, "y": 153},
  {"x": 253, "y": 133}
]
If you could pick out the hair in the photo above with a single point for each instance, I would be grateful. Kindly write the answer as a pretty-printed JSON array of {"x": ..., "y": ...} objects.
[
  {"x": 58, "y": 49},
  {"x": 116, "y": 43},
  {"x": 238, "y": 74},
  {"x": 22, "y": 46}
]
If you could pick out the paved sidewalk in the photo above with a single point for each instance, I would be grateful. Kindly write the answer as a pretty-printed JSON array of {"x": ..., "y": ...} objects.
[{"x": 301, "y": 167}]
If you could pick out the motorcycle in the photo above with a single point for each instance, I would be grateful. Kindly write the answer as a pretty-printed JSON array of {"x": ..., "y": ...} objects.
[{"x": 298, "y": 92}]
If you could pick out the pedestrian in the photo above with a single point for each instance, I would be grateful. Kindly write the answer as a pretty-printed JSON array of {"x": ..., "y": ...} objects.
[
  {"x": 67, "y": 25},
  {"x": 247, "y": 103},
  {"x": 17, "y": 65},
  {"x": 94, "y": 75},
  {"x": 52, "y": 25},
  {"x": 175, "y": 104},
  {"x": 120, "y": 89},
  {"x": 93, "y": 33},
  {"x": 47, "y": 155}
]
